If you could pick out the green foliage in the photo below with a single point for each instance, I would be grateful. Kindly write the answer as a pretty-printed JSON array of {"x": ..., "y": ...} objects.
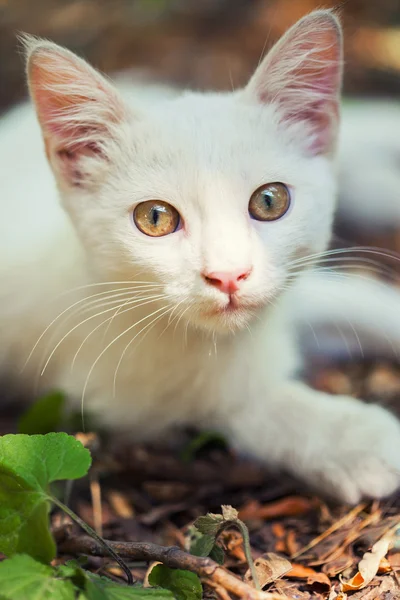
[
  {"x": 198, "y": 443},
  {"x": 217, "y": 554},
  {"x": 21, "y": 577},
  {"x": 28, "y": 464},
  {"x": 202, "y": 545},
  {"x": 44, "y": 416},
  {"x": 184, "y": 584},
  {"x": 205, "y": 545},
  {"x": 211, "y": 526},
  {"x": 101, "y": 588}
]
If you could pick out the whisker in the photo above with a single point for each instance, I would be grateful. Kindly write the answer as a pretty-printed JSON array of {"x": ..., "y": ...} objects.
[
  {"x": 353, "y": 249},
  {"x": 78, "y": 302},
  {"x": 74, "y": 328},
  {"x": 132, "y": 306},
  {"x": 153, "y": 321},
  {"x": 107, "y": 347},
  {"x": 372, "y": 265},
  {"x": 131, "y": 283}
]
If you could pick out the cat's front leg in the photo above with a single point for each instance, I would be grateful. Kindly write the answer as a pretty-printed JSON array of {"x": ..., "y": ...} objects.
[{"x": 339, "y": 445}]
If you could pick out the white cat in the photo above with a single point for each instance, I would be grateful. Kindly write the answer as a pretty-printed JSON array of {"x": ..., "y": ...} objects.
[{"x": 168, "y": 291}]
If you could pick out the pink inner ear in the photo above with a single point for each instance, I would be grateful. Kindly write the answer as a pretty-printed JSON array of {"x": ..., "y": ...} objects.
[
  {"x": 74, "y": 104},
  {"x": 76, "y": 108},
  {"x": 302, "y": 75}
]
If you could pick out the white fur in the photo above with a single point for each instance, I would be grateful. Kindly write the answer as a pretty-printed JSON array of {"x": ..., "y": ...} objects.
[
  {"x": 369, "y": 165},
  {"x": 173, "y": 361}
]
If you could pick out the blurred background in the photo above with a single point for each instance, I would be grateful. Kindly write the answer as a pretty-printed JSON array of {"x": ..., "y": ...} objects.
[{"x": 197, "y": 43}]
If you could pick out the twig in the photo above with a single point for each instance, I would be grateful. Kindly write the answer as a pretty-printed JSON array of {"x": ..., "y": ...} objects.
[
  {"x": 95, "y": 491},
  {"x": 102, "y": 544},
  {"x": 172, "y": 557}
]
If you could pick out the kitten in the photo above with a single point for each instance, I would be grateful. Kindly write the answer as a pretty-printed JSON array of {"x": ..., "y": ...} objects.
[{"x": 167, "y": 288}]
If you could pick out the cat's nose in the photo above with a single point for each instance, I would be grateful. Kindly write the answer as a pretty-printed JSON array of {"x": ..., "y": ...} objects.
[{"x": 226, "y": 281}]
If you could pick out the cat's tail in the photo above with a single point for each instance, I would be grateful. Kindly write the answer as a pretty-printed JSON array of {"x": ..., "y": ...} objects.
[
  {"x": 347, "y": 316},
  {"x": 369, "y": 164}
]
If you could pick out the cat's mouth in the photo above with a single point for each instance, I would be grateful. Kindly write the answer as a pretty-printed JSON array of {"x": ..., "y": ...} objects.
[{"x": 234, "y": 307}]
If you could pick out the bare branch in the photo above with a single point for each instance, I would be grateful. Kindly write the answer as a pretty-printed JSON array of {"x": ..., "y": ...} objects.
[{"x": 172, "y": 557}]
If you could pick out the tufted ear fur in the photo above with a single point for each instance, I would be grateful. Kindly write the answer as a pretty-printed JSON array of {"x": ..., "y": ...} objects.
[
  {"x": 302, "y": 75},
  {"x": 78, "y": 109}
]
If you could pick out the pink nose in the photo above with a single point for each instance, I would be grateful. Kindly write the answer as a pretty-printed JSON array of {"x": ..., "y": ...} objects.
[{"x": 227, "y": 281}]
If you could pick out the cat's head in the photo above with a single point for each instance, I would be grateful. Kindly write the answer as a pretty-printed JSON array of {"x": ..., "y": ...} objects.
[{"x": 214, "y": 196}]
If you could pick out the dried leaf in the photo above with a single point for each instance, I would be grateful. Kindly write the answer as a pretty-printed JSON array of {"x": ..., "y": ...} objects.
[
  {"x": 229, "y": 513},
  {"x": 394, "y": 560},
  {"x": 334, "y": 596},
  {"x": 269, "y": 567},
  {"x": 339, "y": 564},
  {"x": 384, "y": 566},
  {"x": 290, "y": 506},
  {"x": 301, "y": 572},
  {"x": 291, "y": 542},
  {"x": 368, "y": 565}
]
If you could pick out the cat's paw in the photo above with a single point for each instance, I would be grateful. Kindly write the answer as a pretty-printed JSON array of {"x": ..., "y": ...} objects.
[{"x": 364, "y": 460}]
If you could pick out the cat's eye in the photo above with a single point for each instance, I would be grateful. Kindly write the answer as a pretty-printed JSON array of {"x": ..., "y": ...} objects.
[
  {"x": 269, "y": 202},
  {"x": 156, "y": 218}
]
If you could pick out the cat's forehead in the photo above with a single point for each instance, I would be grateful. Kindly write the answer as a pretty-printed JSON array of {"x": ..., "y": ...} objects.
[
  {"x": 204, "y": 116},
  {"x": 211, "y": 131}
]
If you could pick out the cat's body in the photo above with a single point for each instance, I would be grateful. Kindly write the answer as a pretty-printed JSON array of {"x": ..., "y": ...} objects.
[{"x": 194, "y": 327}]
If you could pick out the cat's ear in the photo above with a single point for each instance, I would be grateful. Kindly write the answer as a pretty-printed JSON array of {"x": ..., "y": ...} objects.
[
  {"x": 302, "y": 76},
  {"x": 78, "y": 109}
]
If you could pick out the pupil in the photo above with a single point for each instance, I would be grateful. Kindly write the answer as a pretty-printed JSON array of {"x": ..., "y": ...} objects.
[
  {"x": 155, "y": 216},
  {"x": 268, "y": 199}
]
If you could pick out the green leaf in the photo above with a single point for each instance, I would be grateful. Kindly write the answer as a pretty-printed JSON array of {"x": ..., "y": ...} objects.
[
  {"x": 101, "y": 588},
  {"x": 217, "y": 554},
  {"x": 28, "y": 464},
  {"x": 23, "y": 578},
  {"x": 44, "y": 416},
  {"x": 203, "y": 545},
  {"x": 205, "y": 438},
  {"x": 184, "y": 584},
  {"x": 210, "y": 524}
]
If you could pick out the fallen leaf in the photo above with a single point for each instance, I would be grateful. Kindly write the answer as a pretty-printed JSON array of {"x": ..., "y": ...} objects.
[
  {"x": 278, "y": 530},
  {"x": 291, "y": 542},
  {"x": 290, "y": 506},
  {"x": 385, "y": 590},
  {"x": 269, "y": 567},
  {"x": 339, "y": 564},
  {"x": 384, "y": 566},
  {"x": 368, "y": 565},
  {"x": 394, "y": 560},
  {"x": 120, "y": 504},
  {"x": 301, "y": 572}
]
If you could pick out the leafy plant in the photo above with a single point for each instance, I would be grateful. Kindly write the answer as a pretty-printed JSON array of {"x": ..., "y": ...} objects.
[
  {"x": 184, "y": 584},
  {"x": 22, "y": 577},
  {"x": 29, "y": 464},
  {"x": 210, "y": 527},
  {"x": 201, "y": 441}
]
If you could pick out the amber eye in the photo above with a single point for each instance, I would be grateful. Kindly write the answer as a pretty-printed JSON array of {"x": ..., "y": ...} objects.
[
  {"x": 269, "y": 202},
  {"x": 156, "y": 218}
]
